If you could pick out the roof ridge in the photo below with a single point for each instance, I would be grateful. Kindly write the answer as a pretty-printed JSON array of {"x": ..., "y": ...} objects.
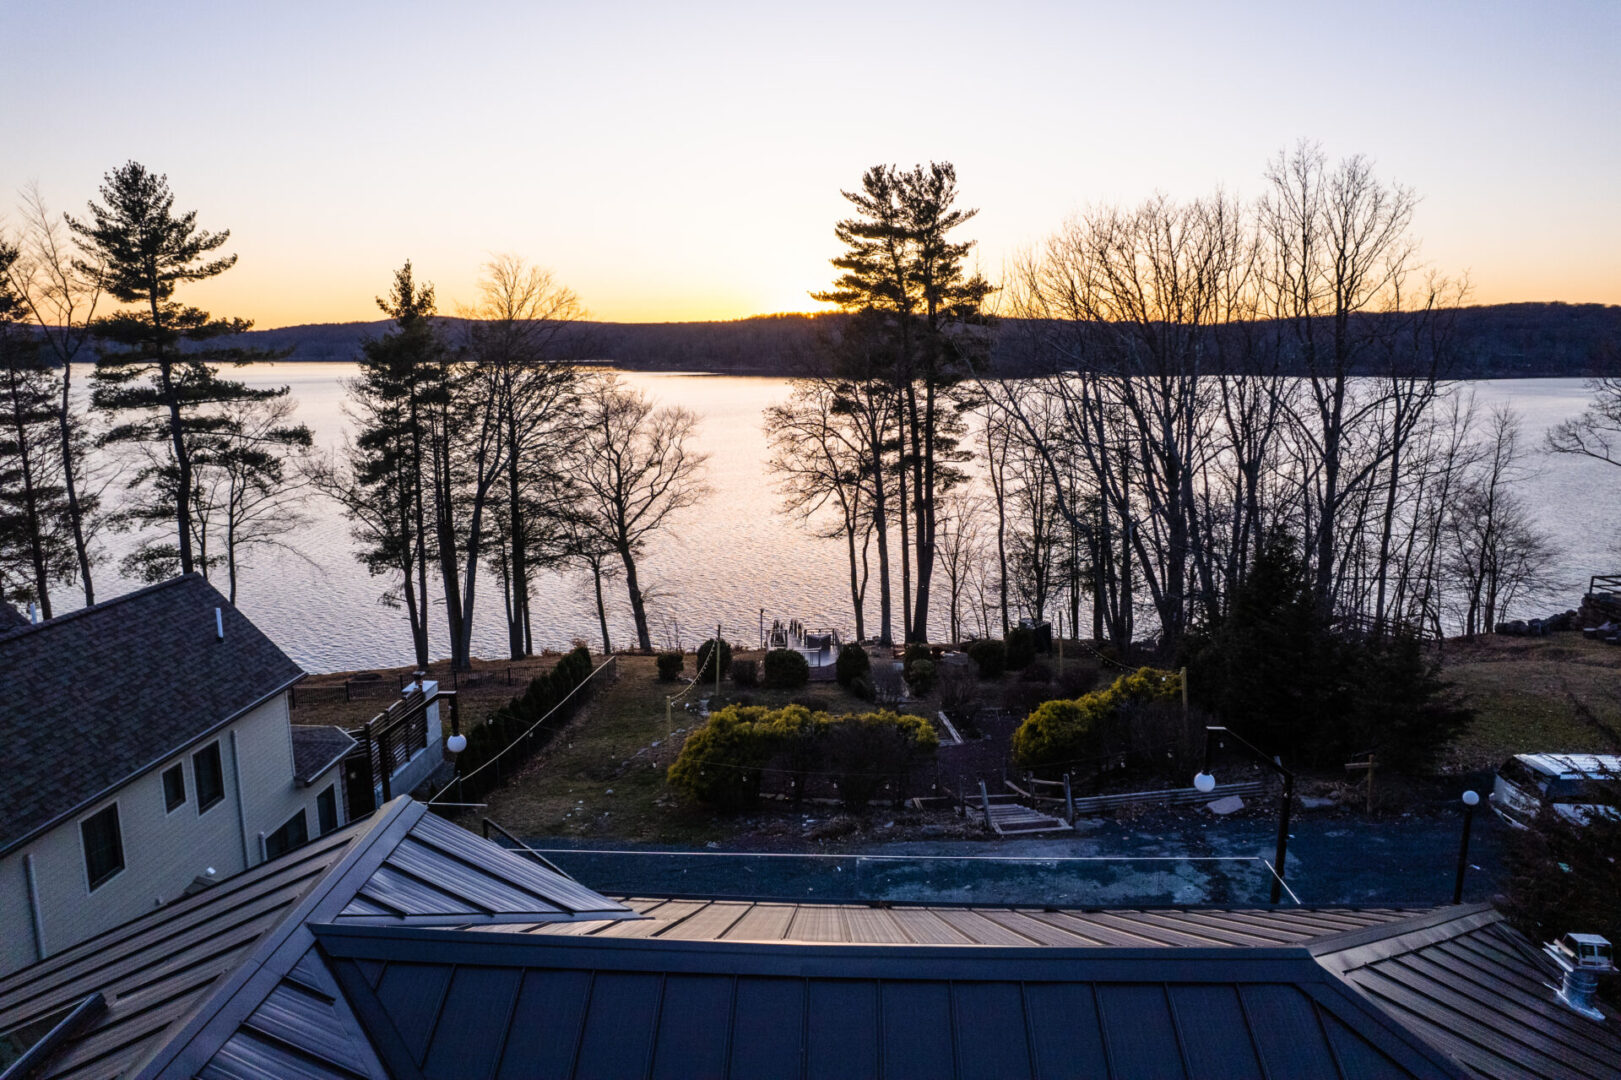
[
  {"x": 385, "y": 819},
  {"x": 60, "y": 620},
  {"x": 1438, "y": 924}
]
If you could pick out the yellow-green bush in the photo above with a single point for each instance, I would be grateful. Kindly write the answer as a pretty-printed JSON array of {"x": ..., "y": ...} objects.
[
  {"x": 725, "y": 762},
  {"x": 721, "y": 762},
  {"x": 1062, "y": 732}
]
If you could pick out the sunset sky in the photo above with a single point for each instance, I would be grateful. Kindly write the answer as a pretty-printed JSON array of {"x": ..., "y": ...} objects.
[{"x": 683, "y": 161}]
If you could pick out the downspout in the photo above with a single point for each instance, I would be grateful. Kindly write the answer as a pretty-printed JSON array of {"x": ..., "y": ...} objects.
[
  {"x": 241, "y": 811},
  {"x": 36, "y": 917}
]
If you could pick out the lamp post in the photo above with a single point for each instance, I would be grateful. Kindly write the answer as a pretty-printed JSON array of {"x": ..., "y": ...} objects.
[
  {"x": 1205, "y": 781},
  {"x": 1470, "y": 801}
]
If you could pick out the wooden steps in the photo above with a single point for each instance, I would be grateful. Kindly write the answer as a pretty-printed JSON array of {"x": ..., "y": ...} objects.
[{"x": 1013, "y": 819}]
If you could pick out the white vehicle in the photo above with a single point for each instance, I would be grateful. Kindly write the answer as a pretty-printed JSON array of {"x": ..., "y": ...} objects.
[{"x": 1573, "y": 785}]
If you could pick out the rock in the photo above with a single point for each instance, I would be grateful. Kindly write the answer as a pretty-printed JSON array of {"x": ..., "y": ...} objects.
[
  {"x": 1312, "y": 802},
  {"x": 610, "y": 791},
  {"x": 1231, "y": 804},
  {"x": 713, "y": 844}
]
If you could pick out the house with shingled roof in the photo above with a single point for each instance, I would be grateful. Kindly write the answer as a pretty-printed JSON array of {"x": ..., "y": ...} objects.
[
  {"x": 403, "y": 946},
  {"x": 149, "y": 753}
]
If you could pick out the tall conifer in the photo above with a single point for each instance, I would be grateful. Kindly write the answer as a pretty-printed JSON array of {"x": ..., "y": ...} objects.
[{"x": 157, "y": 371}]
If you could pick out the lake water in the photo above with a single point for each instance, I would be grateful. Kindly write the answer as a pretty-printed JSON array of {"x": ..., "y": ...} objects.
[{"x": 726, "y": 560}]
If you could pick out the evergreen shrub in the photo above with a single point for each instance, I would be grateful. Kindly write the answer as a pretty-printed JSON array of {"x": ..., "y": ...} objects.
[
  {"x": 1021, "y": 648},
  {"x": 785, "y": 669},
  {"x": 706, "y": 673},
  {"x": 921, "y": 677},
  {"x": 990, "y": 656},
  {"x": 670, "y": 665},
  {"x": 853, "y": 663}
]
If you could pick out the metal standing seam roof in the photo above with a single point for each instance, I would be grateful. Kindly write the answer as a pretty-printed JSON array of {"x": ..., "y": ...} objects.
[
  {"x": 140, "y": 677},
  {"x": 224, "y": 974},
  {"x": 1470, "y": 985},
  {"x": 442, "y": 1004},
  {"x": 158, "y": 969},
  {"x": 355, "y": 958},
  {"x": 684, "y": 919}
]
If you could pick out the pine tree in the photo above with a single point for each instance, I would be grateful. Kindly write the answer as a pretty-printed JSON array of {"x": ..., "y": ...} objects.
[
  {"x": 156, "y": 370},
  {"x": 384, "y": 483},
  {"x": 901, "y": 268},
  {"x": 35, "y": 550}
]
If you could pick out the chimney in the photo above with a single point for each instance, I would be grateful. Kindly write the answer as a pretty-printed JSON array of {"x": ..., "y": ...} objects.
[
  {"x": 1583, "y": 958},
  {"x": 219, "y": 625}
]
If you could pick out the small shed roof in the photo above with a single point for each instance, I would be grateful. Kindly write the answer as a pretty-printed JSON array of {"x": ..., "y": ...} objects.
[
  {"x": 136, "y": 679},
  {"x": 317, "y": 749}
]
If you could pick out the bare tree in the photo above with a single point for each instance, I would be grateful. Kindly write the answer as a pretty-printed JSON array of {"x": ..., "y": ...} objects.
[
  {"x": 255, "y": 477},
  {"x": 1596, "y": 433},
  {"x": 820, "y": 458},
  {"x": 62, "y": 298},
  {"x": 519, "y": 351},
  {"x": 636, "y": 471},
  {"x": 1496, "y": 552},
  {"x": 961, "y": 553},
  {"x": 1337, "y": 248}
]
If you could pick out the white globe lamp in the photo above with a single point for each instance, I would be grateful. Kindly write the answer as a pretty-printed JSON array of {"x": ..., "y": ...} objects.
[
  {"x": 456, "y": 743},
  {"x": 1204, "y": 782}
]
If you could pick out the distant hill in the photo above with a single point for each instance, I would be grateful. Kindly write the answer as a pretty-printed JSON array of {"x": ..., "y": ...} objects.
[{"x": 1495, "y": 341}]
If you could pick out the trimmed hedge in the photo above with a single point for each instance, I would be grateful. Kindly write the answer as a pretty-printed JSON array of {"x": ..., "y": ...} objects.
[
  {"x": 670, "y": 665},
  {"x": 746, "y": 672},
  {"x": 726, "y": 762},
  {"x": 509, "y": 723},
  {"x": 785, "y": 669},
  {"x": 1066, "y": 732}
]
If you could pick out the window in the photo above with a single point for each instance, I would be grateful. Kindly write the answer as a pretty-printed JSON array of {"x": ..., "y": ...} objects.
[
  {"x": 205, "y": 766},
  {"x": 294, "y": 833},
  {"x": 174, "y": 787},
  {"x": 326, "y": 809},
  {"x": 103, "y": 845}
]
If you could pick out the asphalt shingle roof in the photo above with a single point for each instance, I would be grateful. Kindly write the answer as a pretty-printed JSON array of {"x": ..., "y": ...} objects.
[
  {"x": 11, "y": 618},
  {"x": 316, "y": 749},
  {"x": 98, "y": 696}
]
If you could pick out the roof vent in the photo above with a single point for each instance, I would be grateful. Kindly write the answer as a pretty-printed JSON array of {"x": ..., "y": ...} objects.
[
  {"x": 219, "y": 625},
  {"x": 33, "y": 613},
  {"x": 1583, "y": 958}
]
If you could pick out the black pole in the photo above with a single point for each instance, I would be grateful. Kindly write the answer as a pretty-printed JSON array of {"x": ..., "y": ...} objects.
[
  {"x": 1463, "y": 854},
  {"x": 1283, "y": 836}
]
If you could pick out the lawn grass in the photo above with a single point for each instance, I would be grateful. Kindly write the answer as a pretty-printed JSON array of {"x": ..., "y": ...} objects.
[
  {"x": 610, "y": 747},
  {"x": 1560, "y": 693}
]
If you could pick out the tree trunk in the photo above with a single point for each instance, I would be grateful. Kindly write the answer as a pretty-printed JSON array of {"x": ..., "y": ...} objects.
[
  {"x": 602, "y": 608},
  {"x": 177, "y": 444},
  {"x": 638, "y": 609},
  {"x": 70, "y": 481},
  {"x": 517, "y": 615}
]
